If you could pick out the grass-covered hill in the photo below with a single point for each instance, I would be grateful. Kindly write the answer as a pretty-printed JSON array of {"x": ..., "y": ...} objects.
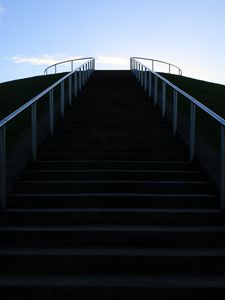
[
  {"x": 210, "y": 94},
  {"x": 15, "y": 93}
]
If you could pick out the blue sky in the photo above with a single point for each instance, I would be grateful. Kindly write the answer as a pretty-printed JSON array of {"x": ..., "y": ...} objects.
[{"x": 188, "y": 33}]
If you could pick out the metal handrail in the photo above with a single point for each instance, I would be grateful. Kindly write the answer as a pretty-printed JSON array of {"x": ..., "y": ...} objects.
[
  {"x": 77, "y": 79},
  {"x": 160, "y": 61},
  {"x": 145, "y": 76},
  {"x": 64, "y": 62}
]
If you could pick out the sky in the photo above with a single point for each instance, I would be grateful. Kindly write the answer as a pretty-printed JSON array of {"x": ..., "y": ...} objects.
[{"x": 188, "y": 33}]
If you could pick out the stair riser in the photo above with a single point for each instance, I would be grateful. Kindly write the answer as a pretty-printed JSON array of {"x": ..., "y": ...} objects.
[
  {"x": 114, "y": 165},
  {"x": 112, "y": 264},
  {"x": 112, "y": 148},
  {"x": 36, "y": 291},
  {"x": 113, "y": 187},
  {"x": 113, "y": 156},
  {"x": 60, "y": 218},
  {"x": 123, "y": 176},
  {"x": 97, "y": 201},
  {"x": 70, "y": 238}
]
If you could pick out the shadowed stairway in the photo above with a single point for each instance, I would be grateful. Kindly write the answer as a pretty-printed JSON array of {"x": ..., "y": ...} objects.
[{"x": 112, "y": 207}]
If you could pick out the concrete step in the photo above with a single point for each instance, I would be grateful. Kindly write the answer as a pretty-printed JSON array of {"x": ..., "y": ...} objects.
[
  {"x": 114, "y": 186},
  {"x": 88, "y": 155},
  {"x": 92, "y": 147},
  {"x": 107, "y": 215},
  {"x": 113, "y": 236},
  {"x": 67, "y": 164},
  {"x": 103, "y": 286},
  {"x": 129, "y": 200},
  {"x": 122, "y": 175},
  {"x": 113, "y": 260}
]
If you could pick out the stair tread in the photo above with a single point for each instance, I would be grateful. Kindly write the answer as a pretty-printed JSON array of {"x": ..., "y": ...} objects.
[
  {"x": 179, "y": 280},
  {"x": 116, "y": 228},
  {"x": 121, "y": 251}
]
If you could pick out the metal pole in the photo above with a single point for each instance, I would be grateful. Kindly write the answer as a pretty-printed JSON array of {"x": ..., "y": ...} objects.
[
  {"x": 163, "y": 99},
  {"x": 51, "y": 111},
  {"x": 222, "y": 168},
  {"x": 3, "y": 166},
  {"x": 86, "y": 73},
  {"x": 139, "y": 72},
  {"x": 152, "y": 65},
  {"x": 136, "y": 69},
  {"x": 62, "y": 99},
  {"x": 174, "y": 112},
  {"x": 156, "y": 90},
  {"x": 80, "y": 79},
  {"x": 55, "y": 69},
  {"x": 70, "y": 90},
  {"x": 192, "y": 131},
  {"x": 75, "y": 84},
  {"x": 71, "y": 65},
  {"x": 86, "y": 77},
  {"x": 34, "y": 130},
  {"x": 169, "y": 68},
  {"x": 145, "y": 84},
  {"x": 142, "y": 75},
  {"x": 150, "y": 84},
  {"x": 83, "y": 77}
]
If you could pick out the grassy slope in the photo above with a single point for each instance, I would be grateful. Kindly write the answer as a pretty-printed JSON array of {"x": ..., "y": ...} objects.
[
  {"x": 210, "y": 94},
  {"x": 15, "y": 93}
]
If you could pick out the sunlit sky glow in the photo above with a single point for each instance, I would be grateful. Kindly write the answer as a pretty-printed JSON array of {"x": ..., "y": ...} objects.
[{"x": 187, "y": 33}]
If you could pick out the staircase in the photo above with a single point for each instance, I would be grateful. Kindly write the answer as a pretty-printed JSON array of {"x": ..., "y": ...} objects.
[{"x": 113, "y": 207}]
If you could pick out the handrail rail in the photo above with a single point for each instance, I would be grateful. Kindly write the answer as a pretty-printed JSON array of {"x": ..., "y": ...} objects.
[
  {"x": 66, "y": 61},
  {"x": 160, "y": 61},
  {"x": 76, "y": 80},
  {"x": 147, "y": 77}
]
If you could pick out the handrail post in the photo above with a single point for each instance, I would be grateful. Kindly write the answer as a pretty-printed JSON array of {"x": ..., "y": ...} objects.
[
  {"x": 156, "y": 90},
  {"x": 51, "y": 111},
  {"x": 83, "y": 76},
  {"x": 150, "y": 84},
  {"x": 80, "y": 79},
  {"x": 34, "y": 130},
  {"x": 174, "y": 112},
  {"x": 55, "y": 69},
  {"x": 86, "y": 72},
  {"x": 169, "y": 68},
  {"x": 152, "y": 65},
  {"x": 163, "y": 99},
  {"x": 192, "y": 131},
  {"x": 70, "y": 90},
  {"x": 136, "y": 66},
  {"x": 62, "y": 102},
  {"x": 3, "y": 166},
  {"x": 145, "y": 83},
  {"x": 222, "y": 167},
  {"x": 139, "y": 72},
  {"x": 71, "y": 65},
  {"x": 75, "y": 84},
  {"x": 142, "y": 75}
]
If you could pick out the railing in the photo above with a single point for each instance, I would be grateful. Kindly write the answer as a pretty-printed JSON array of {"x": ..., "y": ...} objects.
[
  {"x": 71, "y": 61},
  {"x": 75, "y": 81},
  {"x": 153, "y": 61},
  {"x": 150, "y": 81}
]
